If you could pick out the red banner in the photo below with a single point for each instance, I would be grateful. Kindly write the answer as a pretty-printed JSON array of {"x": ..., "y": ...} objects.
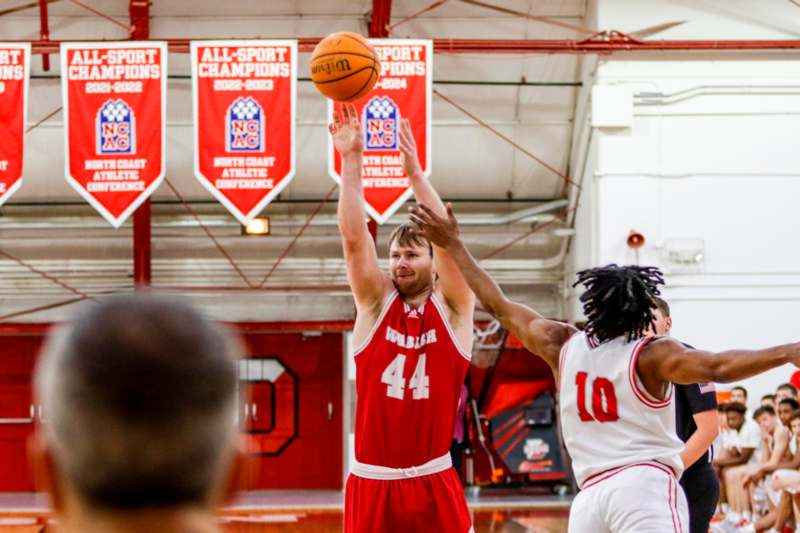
[
  {"x": 403, "y": 90},
  {"x": 114, "y": 97},
  {"x": 244, "y": 120},
  {"x": 15, "y": 60}
]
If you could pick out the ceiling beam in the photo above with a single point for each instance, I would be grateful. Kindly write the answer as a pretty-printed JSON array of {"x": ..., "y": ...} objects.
[
  {"x": 44, "y": 31},
  {"x": 139, "y": 11},
  {"x": 381, "y": 16},
  {"x": 513, "y": 46}
]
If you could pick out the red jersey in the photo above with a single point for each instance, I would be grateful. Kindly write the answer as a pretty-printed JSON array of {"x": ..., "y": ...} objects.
[{"x": 409, "y": 373}]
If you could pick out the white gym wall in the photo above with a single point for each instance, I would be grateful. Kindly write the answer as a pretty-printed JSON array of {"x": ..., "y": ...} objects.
[{"x": 699, "y": 153}]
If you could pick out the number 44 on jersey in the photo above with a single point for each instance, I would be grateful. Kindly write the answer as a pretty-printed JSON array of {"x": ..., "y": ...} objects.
[{"x": 396, "y": 383}]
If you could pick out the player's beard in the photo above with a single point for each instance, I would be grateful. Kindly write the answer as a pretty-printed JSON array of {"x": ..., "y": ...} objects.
[{"x": 412, "y": 286}]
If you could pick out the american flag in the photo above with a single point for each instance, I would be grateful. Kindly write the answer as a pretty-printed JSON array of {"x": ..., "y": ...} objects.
[{"x": 706, "y": 387}]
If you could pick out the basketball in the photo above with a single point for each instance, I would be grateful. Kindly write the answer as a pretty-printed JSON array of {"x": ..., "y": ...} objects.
[{"x": 344, "y": 66}]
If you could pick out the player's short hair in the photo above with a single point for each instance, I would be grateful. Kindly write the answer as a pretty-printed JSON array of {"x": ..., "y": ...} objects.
[
  {"x": 406, "y": 235},
  {"x": 662, "y": 306},
  {"x": 770, "y": 397},
  {"x": 762, "y": 410},
  {"x": 791, "y": 402},
  {"x": 735, "y": 407},
  {"x": 795, "y": 415},
  {"x": 788, "y": 386},
  {"x": 618, "y": 300},
  {"x": 739, "y": 387},
  {"x": 140, "y": 396}
]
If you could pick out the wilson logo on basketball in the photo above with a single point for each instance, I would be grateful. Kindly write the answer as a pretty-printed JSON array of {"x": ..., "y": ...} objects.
[
  {"x": 344, "y": 66},
  {"x": 331, "y": 67}
]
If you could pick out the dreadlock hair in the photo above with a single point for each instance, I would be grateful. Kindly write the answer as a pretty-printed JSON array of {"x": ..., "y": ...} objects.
[{"x": 619, "y": 300}]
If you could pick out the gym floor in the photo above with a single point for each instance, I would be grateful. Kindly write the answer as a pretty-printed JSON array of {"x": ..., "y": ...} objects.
[
  {"x": 499, "y": 521},
  {"x": 321, "y": 512}
]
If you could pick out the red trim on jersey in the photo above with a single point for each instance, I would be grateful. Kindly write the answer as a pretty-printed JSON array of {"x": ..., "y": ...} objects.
[
  {"x": 671, "y": 506},
  {"x": 639, "y": 393},
  {"x": 676, "y": 515},
  {"x": 561, "y": 356},
  {"x": 443, "y": 314},
  {"x": 616, "y": 470},
  {"x": 592, "y": 342},
  {"x": 673, "y": 498},
  {"x": 381, "y": 317},
  {"x": 672, "y": 493}
]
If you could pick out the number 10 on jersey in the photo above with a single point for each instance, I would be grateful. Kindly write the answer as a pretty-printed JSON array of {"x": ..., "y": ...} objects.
[
  {"x": 396, "y": 383},
  {"x": 604, "y": 399}
]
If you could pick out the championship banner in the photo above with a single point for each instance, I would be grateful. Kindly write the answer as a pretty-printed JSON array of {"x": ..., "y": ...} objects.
[
  {"x": 114, "y": 97},
  {"x": 244, "y": 95},
  {"x": 404, "y": 90},
  {"x": 15, "y": 61}
]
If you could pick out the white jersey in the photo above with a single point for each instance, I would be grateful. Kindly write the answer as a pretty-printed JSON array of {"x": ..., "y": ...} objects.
[{"x": 607, "y": 417}]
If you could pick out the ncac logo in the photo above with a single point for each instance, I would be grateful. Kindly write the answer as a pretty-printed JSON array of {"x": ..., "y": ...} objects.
[
  {"x": 535, "y": 449},
  {"x": 244, "y": 126},
  {"x": 381, "y": 117},
  {"x": 116, "y": 128}
]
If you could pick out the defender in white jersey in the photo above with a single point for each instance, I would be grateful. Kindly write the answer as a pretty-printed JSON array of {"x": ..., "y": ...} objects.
[
  {"x": 615, "y": 386},
  {"x": 622, "y": 438}
]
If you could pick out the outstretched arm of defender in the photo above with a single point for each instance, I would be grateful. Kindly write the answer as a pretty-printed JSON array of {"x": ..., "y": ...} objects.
[
  {"x": 671, "y": 361},
  {"x": 363, "y": 272},
  {"x": 454, "y": 287},
  {"x": 541, "y": 336}
]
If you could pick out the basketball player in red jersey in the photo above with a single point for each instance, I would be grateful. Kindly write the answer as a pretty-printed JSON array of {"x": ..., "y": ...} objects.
[
  {"x": 413, "y": 341},
  {"x": 615, "y": 386}
]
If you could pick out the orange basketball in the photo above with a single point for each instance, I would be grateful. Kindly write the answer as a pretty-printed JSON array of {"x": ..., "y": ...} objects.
[{"x": 344, "y": 66}]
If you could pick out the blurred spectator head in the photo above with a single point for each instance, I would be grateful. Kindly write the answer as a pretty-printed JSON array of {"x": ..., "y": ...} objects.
[
  {"x": 786, "y": 407},
  {"x": 739, "y": 395},
  {"x": 794, "y": 423},
  {"x": 765, "y": 417},
  {"x": 768, "y": 399},
  {"x": 662, "y": 321},
  {"x": 734, "y": 415},
  {"x": 786, "y": 390},
  {"x": 140, "y": 393}
]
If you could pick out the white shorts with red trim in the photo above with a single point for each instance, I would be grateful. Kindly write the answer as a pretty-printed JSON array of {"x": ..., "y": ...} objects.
[{"x": 638, "y": 498}]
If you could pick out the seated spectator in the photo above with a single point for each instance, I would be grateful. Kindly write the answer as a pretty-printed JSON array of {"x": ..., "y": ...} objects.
[
  {"x": 141, "y": 397},
  {"x": 786, "y": 390},
  {"x": 769, "y": 399},
  {"x": 786, "y": 407},
  {"x": 735, "y": 461},
  {"x": 738, "y": 395},
  {"x": 776, "y": 455},
  {"x": 784, "y": 490}
]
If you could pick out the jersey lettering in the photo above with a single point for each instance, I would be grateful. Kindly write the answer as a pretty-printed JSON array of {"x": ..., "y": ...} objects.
[
  {"x": 419, "y": 381},
  {"x": 580, "y": 381},
  {"x": 396, "y": 383},
  {"x": 393, "y": 377},
  {"x": 604, "y": 399}
]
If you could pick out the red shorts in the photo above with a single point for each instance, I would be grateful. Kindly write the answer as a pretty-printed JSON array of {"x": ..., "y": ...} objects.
[{"x": 432, "y": 503}]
